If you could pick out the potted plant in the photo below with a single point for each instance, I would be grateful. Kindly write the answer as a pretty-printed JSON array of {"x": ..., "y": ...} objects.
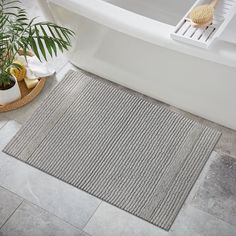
[{"x": 17, "y": 32}]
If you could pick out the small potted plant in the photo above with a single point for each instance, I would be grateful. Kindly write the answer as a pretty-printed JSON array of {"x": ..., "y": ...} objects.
[{"x": 17, "y": 33}]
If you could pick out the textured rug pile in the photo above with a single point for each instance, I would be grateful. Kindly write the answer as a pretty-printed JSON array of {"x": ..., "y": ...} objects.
[{"x": 116, "y": 145}]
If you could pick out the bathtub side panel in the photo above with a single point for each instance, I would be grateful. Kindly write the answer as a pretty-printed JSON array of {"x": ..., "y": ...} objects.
[{"x": 201, "y": 87}]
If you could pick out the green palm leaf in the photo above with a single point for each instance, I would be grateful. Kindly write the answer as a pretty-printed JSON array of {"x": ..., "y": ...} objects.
[{"x": 18, "y": 32}]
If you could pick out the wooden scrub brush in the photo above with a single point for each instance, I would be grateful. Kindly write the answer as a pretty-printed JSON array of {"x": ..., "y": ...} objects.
[{"x": 202, "y": 15}]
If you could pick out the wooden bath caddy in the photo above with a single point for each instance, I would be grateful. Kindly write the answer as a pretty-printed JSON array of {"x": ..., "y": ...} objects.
[
  {"x": 203, "y": 37},
  {"x": 27, "y": 95}
]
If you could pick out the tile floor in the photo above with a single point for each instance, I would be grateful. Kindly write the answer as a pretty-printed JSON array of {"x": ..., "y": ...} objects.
[{"x": 34, "y": 203}]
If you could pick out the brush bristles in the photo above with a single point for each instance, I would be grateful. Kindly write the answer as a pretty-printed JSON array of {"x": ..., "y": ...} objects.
[{"x": 202, "y": 14}]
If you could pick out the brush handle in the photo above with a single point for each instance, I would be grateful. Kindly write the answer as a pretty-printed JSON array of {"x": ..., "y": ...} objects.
[{"x": 213, "y": 3}]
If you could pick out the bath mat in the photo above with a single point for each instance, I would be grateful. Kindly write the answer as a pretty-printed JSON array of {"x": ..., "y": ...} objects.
[{"x": 116, "y": 145}]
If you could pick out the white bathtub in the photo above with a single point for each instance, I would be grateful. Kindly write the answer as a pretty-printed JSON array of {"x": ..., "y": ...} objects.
[{"x": 128, "y": 42}]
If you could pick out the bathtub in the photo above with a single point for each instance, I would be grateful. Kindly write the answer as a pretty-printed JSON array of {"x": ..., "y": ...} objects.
[{"x": 128, "y": 42}]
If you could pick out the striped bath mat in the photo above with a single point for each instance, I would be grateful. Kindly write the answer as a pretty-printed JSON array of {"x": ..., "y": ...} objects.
[{"x": 116, "y": 145}]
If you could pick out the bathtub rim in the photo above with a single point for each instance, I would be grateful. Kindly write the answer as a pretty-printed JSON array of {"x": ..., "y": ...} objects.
[{"x": 125, "y": 21}]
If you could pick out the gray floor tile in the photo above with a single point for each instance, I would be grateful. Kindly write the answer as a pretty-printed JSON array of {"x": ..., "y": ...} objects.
[
  {"x": 7, "y": 132},
  {"x": 194, "y": 222},
  {"x": 227, "y": 143},
  {"x": 30, "y": 220},
  {"x": 217, "y": 193},
  {"x": 3, "y": 120},
  {"x": 109, "y": 220},
  {"x": 61, "y": 199},
  {"x": 8, "y": 204}
]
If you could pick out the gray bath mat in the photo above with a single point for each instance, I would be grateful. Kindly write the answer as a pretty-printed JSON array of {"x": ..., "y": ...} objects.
[{"x": 118, "y": 146}]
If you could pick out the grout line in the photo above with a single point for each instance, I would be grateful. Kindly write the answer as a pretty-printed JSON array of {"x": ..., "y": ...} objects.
[
  {"x": 32, "y": 203},
  {"x": 92, "y": 215},
  {"x": 17, "y": 121},
  {"x": 7, "y": 120},
  {"x": 198, "y": 184},
  {"x": 213, "y": 216},
  {"x": 12, "y": 192},
  {"x": 86, "y": 234},
  {"x": 28, "y": 202},
  {"x": 12, "y": 214},
  {"x": 221, "y": 152},
  {"x": 52, "y": 214}
]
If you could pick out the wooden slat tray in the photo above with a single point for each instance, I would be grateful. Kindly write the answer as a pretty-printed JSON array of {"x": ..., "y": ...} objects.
[{"x": 27, "y": 95}]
